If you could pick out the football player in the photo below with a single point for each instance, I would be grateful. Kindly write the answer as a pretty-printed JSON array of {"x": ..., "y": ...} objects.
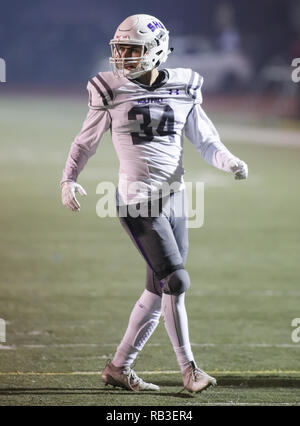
[{"x": 149, "y": 111}]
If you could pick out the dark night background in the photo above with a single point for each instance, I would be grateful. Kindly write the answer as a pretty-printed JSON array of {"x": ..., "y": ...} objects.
[{"x": 59, "y": 42}]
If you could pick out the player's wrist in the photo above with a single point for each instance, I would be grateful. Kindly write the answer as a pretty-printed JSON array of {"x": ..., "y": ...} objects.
[{"x": 66, "y": 183}]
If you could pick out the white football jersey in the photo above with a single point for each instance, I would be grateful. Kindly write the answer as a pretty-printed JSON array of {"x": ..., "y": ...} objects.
[{"x": 147, "y": 125}]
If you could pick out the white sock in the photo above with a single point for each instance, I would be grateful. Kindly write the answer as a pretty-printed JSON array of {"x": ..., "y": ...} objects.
[
  {"x": 176, "y": 323},
  {"x": 143, "y": 320}
]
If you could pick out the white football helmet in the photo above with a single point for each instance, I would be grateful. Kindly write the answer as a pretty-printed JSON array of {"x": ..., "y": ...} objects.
[{"x": 140, "y": 30}]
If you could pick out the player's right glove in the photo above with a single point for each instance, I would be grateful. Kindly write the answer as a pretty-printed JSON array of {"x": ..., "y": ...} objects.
[
  {"x": 68, "y": 195},
  {"x": 239, "y": 168}
]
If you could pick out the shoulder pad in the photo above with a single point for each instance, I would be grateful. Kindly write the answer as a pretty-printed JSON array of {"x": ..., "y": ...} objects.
[
  {"x": 192, "y": 80},
  {"x": 100, "y": 92},
  {"x": 194, "y": 86}
]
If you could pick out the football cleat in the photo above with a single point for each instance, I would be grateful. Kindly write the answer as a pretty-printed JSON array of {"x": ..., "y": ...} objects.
[
  {"x": 196, "y": 380},
  {"x": 125, "y": 377}
]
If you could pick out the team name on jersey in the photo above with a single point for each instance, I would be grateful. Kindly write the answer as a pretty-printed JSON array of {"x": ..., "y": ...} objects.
[{"x": 150, "y": 101}]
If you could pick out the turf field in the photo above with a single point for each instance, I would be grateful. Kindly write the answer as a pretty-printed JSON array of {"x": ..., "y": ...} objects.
[{"x": 69, "y": 281}]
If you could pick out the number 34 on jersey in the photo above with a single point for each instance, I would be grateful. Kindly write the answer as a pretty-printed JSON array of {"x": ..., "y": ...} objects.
[{"x": 145, "y": 115}]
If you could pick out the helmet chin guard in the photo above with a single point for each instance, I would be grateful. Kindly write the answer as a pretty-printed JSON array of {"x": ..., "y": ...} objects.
[{"x": 139, "y": 30}]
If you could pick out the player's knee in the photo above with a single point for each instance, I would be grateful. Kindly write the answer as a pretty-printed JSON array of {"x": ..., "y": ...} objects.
[{"x": 177, "y": 282}]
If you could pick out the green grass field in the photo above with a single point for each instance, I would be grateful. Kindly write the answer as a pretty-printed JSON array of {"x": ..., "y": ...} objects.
[{"x": 68, "y": 281}]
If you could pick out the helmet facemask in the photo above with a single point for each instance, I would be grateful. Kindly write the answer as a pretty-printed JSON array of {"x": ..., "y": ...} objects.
[{"x": 121, "y": 66}]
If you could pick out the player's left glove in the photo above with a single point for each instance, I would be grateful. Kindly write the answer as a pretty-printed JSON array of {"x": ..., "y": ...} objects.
[{"x": 239, "y": 168}]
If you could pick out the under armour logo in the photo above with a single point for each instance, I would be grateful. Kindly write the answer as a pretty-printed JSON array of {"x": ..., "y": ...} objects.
[{"x": 174, "y": 91}]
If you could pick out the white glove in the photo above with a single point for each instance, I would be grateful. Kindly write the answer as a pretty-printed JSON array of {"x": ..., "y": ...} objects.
[
  {"x": 239, "y": 168},
  {"x": 68, "y": 195}
]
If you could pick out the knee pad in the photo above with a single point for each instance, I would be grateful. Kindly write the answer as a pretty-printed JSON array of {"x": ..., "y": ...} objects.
[{"x": 176, "y": 283}]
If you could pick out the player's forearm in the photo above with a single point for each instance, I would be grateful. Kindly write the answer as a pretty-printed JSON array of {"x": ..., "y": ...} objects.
[
  {"x": 217, "y": 155},
  {"x": 85, "y": 144},
  {"x": 202, "y": 133},
  {"x": 75, "y": 163},
  {"x": 221, "y": 157}
]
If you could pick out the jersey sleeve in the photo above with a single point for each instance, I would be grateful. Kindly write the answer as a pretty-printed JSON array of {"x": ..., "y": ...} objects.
[
  {"x": 194, "y": 87},
  {"x": 203, "y": 135},
  {"x": 85, "y": 144},
  {"x": 100, "y": 92}
]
